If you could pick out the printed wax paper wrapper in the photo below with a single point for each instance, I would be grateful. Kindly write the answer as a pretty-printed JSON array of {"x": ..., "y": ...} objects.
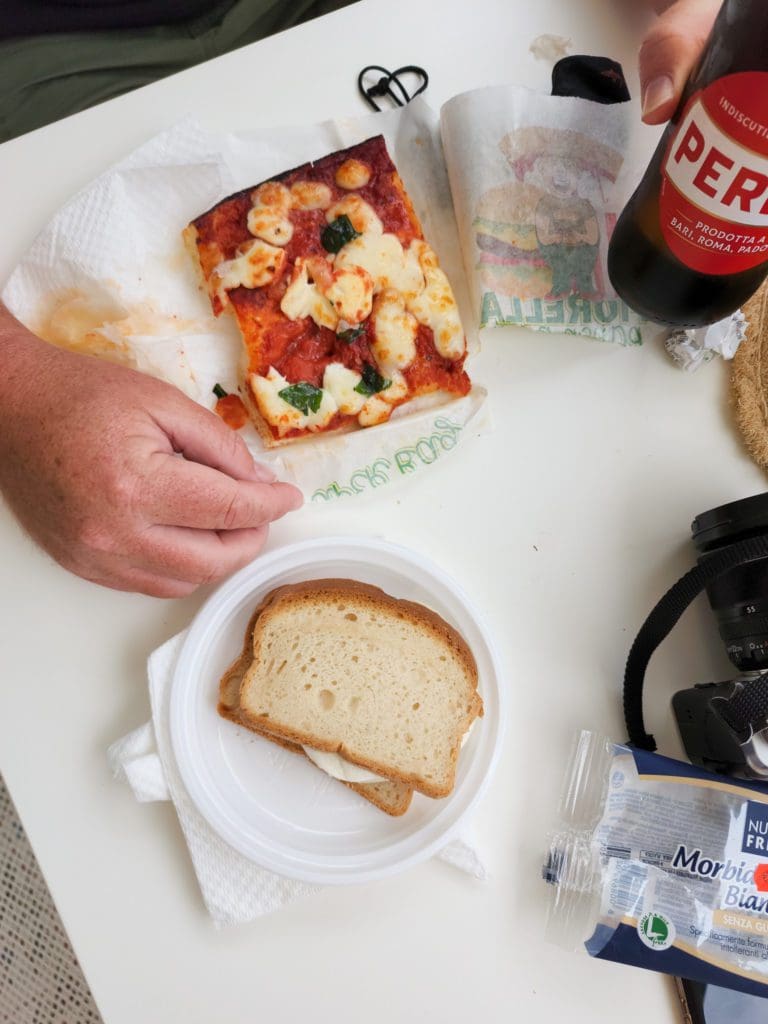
[
  {"x": 109, "y": 275},
  {"x": 537, "y": 184}
]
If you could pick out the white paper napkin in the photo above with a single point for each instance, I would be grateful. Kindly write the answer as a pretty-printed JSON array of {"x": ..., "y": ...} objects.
[
  {"x": 692, "y": 348},
  {"x": 234, "y": 889}
]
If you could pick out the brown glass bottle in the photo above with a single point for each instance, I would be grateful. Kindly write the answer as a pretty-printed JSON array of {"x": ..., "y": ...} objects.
[{"x": 692, "y": 243}]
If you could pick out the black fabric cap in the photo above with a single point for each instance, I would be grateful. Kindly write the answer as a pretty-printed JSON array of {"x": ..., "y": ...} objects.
[{"x": 591, "y": 78}]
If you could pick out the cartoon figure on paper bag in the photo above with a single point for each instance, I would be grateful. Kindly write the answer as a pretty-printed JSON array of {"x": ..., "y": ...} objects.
[
  {"x": 567, "y": 231},
  {"x": 540, "y": 235}
]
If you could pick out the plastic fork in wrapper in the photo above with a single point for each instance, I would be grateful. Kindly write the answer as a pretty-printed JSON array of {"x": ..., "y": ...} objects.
[{"x": 661, "y": 865}]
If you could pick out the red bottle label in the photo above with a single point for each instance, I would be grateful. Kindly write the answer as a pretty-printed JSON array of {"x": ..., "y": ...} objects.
[{"x": 714, "y": 188}]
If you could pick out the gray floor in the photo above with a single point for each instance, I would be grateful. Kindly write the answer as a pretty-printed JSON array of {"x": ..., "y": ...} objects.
[{"x": 40, "y": 978}]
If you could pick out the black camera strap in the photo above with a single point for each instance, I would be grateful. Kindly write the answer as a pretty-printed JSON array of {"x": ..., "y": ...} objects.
[{"x": 664, "y": 617}]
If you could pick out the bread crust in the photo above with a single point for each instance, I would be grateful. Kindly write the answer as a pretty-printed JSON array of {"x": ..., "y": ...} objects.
[
  {"x": 389, "y": 796},
  {"x": 309, "y": 591}
]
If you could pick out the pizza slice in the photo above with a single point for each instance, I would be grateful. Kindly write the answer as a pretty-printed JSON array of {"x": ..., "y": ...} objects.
[{"x": 343, "y": 308}]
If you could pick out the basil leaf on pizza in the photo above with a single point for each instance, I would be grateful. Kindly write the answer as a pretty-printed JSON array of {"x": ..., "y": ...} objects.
[
  {"x": 302, "y": 396},
  {"x": 338, "y": 233},
  {"x": 371, "y": 381},
  {"x": 350, "y": 335}
]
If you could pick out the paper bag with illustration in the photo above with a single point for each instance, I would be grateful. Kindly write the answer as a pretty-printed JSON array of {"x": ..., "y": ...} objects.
[{"x": 537, "y": 187}]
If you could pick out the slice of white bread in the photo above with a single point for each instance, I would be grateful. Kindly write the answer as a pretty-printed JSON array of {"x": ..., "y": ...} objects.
[
  {"x": 391, "y": 797},
  {"x": 341, "y": 666}
]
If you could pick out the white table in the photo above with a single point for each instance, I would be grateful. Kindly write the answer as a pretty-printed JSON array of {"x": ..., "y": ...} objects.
[{"x": 600, "y": 459}]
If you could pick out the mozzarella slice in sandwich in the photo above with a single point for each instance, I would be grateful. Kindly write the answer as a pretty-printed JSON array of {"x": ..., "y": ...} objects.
[
  {"x": 345, "y": 771},
  {"x": 340, "y": 769}
]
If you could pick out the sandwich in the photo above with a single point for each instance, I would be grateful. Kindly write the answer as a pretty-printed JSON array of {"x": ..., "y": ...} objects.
[{"x": 378, "y": 692}]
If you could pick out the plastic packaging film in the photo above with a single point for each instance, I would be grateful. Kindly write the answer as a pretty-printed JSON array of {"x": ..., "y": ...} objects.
[{"x": 661, "y": 865}]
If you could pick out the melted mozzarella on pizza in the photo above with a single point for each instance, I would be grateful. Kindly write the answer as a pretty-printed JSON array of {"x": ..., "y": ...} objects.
[
  {"x": 281, "y": 414},
  {"x": 436, "y": 307},
  {"x": 311, "y": 195},
  {"x": 269, "y": 217},
  {"x": 382, "y": 255},
  {"x": 397, "y": 390},
  {"x": 362, "y": 216},
  {"x": 340, "y": 382},
  {"x": 303, "y": 298},
  {"x": 353, "y": 174},
  {"x": 394, "y": 345},
  {"x": 375, "y": 410},
  {"x": 257, "y": 265},
  {"x": 351, "y": 294}
]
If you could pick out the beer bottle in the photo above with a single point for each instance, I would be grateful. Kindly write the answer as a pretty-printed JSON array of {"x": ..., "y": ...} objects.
[{"x": 692, "y": 243}]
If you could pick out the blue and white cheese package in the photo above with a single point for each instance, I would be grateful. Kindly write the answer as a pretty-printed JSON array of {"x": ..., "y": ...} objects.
[{"x": 661, "y": 865}]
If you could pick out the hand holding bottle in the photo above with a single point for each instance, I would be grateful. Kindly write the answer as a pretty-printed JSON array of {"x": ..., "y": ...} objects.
[
  {"x": 691, "y": 246},
  {"x": 670, "y": 51}
]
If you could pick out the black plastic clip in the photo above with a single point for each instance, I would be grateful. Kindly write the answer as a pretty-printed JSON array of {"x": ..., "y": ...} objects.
[{"x": 388, "y": 83}]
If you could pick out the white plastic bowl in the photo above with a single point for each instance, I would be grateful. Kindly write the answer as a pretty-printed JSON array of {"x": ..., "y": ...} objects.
[{"x": 275, "y": 807}]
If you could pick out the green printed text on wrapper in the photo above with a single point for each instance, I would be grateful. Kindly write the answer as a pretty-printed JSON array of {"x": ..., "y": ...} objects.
[
  {"x": 405, "y": 460},
  {"x": 604, "y": 319}
]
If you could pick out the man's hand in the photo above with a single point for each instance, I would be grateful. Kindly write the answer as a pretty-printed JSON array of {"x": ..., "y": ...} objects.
[
  {"x": 122, "y": 478},
  {"x": 669, "y": 52}
]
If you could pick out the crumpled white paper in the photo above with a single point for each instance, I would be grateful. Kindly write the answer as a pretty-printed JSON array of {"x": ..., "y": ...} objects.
[
  {"x": 109, "y": 275},
  {"x": 691, "y": 348},
  {"x": 234, "y": 889}
]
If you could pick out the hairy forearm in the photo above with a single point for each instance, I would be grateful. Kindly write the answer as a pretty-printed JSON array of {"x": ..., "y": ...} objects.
[
  {"x": 20, "y": 351},
  {"x": 10, "y": 329},
  {"x": 26, "y": 366}
]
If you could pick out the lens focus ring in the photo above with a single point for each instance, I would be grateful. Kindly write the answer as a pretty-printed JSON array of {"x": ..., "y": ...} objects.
[{"x": 738, "y": 629}]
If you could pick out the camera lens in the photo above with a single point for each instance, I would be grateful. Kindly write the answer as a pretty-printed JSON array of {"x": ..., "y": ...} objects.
[{"x": 739, "y": 598}]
